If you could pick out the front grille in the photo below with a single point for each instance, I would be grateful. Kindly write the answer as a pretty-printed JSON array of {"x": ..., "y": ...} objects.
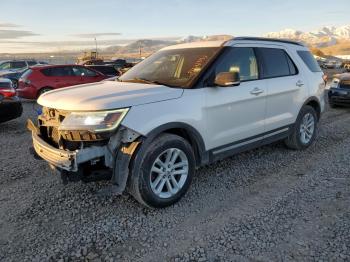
[{"x": 50, "y": 120}]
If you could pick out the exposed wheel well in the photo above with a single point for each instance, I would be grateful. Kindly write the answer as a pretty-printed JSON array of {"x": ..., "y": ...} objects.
[{"x": 315, "y": 105}]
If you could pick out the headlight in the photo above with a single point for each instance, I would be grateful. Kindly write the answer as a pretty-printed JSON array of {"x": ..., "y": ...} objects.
[
  {"x": 99, "y": 121},
  {"x": 335, "y": 83}
]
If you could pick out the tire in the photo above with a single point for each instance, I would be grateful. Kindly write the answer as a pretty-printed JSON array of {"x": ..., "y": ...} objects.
[
  {"x": 44, "y": 90},
  {"x": 297, "y": 139},
  {"x": 14, "y": 83},
  {"x": 151, "y": 178}
]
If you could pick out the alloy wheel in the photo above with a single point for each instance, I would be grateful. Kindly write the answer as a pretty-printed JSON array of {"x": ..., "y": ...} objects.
[
  {"x": 169, "y": 173},
  {"x": 307, "y": 128}
]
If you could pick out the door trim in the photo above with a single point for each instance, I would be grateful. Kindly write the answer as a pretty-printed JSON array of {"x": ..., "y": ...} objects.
[{"x": 250, "y": 143}]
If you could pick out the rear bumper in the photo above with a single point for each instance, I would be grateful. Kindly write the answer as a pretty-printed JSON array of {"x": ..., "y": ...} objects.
[
  {"x": 339, "y": 96},
  {"x": 26, "y": 91},
  {"x": 64, "y": 159}
]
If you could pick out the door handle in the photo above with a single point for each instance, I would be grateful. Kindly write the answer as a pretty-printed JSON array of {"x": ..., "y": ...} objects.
[
  {"x": 256, "y": 91},
  {"x": 299, "y": 83}
]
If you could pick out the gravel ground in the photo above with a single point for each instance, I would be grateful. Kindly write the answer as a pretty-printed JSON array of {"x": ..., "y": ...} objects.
[{"x": 268, "y": 204}]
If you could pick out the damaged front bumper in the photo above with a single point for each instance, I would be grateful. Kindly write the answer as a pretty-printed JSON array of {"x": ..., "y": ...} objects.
[
  {"x": 63, "y": 159},
  {"x": 116, "y": 156}
]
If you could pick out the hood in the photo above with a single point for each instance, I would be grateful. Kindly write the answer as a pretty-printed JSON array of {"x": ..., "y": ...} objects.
[{"x": 107, "y": 95}]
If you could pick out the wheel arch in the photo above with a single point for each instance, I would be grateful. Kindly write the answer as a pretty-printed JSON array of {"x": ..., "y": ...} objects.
[
  {"x": 187, "y": 132},
  {"x": 315, "y": 104}
]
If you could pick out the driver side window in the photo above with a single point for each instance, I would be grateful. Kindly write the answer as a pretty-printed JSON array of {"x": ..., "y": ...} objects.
[{"x": 241, "y": 60}]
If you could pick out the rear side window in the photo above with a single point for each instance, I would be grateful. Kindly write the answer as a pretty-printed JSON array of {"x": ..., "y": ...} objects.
[
  {"x": 309, "y": 61},
  {"x": 276, "y": 63},
  {"x": 58, "y": 71}
]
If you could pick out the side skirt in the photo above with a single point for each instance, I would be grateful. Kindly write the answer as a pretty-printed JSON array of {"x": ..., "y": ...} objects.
[{"x": 225, "y": 151}]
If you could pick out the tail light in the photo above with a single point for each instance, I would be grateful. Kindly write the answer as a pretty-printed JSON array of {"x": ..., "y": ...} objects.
[{"x": 8, "y": 92}]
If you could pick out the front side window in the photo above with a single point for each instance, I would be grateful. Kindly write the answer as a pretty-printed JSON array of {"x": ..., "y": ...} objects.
[
  {"x": 241, "y": 60},
  {"x": 82, "y": 71},
  {"x": 276, "y": 63},
  {"x": 173, "y": 67},
  {"x": 31, "y": 63}
]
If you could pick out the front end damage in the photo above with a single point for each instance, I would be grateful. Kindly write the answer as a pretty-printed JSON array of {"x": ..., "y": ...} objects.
[{"x": 84, "y": 155}]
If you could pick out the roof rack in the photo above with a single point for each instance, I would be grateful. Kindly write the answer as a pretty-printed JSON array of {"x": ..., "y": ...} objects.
[{"x": 268, "y": 40}]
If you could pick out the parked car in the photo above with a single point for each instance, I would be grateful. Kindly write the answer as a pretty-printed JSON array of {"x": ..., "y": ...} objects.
[
  {"x": 13, "y": 65},
  {"x": 10, "y": 106},
  {"x": 14, "y": 76},
  {"x": 108, "y": 70},
  {"x": 40, "y": 79},
  {"x": 339, "y": 91},
  {"x": 183, "y": 107}
]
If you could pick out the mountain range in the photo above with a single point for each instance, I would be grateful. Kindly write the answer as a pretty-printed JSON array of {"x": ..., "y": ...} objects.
[{"x": 325, "y": 36}]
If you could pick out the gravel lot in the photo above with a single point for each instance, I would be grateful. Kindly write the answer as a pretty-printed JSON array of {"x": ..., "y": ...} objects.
[{"x": 268, "y": 204}]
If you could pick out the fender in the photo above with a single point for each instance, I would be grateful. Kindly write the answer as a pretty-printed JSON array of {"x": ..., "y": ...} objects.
[
  {"x": 194, "y": 136},
  {"x": 315, "y": 100}
]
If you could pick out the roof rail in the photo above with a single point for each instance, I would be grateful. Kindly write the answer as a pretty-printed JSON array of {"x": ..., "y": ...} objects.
[{"x": 268, "y": 40}]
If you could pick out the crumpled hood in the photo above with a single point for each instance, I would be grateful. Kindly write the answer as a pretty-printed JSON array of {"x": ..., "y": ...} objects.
[{"x": 107, "y": 95}]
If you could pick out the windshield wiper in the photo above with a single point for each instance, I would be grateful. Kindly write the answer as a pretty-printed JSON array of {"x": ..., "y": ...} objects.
[{"x": 156, "y": 82}]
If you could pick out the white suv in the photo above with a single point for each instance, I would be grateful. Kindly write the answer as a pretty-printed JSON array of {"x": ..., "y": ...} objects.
[{"x": 183, "y": 107}]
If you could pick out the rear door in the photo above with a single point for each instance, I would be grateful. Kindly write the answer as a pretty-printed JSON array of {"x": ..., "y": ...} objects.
[
  {"x": 57, "y": 77},
  {"x": 236, "y": 114},
  {"x": 285, "y": 86}
]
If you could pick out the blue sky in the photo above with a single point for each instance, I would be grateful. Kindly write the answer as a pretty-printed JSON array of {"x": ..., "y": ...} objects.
[{"x": 76, "y": 21}]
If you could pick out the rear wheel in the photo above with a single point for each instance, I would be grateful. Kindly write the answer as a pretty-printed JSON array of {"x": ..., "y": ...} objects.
[
  {"x": 305, "y": 129},
  {"x": 167, "y": 168}
]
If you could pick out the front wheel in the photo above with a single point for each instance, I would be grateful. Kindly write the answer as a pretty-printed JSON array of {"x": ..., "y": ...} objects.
[
  {"x": 44, "y": 90},
  {"x": 14, "y": 83},
  {"x": 305, "y": 129},
  {"x": 167, "y": 168}
]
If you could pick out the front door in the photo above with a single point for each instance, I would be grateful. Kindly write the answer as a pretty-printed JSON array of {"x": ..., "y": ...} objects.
[{"x": 236, "y": 114}]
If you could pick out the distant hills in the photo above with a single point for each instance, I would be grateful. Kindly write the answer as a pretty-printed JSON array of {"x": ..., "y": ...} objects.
[
  {"x": 331, "y": 40},
  {"x": 148, "y": 46},
  {"x": 327, "y": 33}
]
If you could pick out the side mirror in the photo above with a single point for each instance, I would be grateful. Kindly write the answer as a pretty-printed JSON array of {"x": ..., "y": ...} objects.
[{"x": 227, "y": 79}]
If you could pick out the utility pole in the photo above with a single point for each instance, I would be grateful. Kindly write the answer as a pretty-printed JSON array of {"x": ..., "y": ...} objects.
[
  {"x": 96, "y": 45},
  {"x": 140, "y": 48}
]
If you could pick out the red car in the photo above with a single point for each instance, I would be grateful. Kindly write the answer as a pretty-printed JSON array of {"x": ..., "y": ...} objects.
[{"x": 40, "y": 79}]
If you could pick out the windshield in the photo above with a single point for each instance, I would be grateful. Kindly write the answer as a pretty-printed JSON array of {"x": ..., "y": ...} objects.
[{"x": 174, "y": 67}]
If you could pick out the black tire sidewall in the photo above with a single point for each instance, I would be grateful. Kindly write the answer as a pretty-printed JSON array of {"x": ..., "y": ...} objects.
[
  {"x": 305, "y": 110},
  {"x": 150, "y": 156}
]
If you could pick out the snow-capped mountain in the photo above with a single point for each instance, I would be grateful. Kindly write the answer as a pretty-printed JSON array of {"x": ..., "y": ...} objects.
[{"x": 324, "y": 36}]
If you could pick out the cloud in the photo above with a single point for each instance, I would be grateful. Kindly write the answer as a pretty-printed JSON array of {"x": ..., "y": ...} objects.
[
  {"x": 6, "y": 25},
  {"x": 92, "y": 35},
  {"x": 15, "y": 34}
]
